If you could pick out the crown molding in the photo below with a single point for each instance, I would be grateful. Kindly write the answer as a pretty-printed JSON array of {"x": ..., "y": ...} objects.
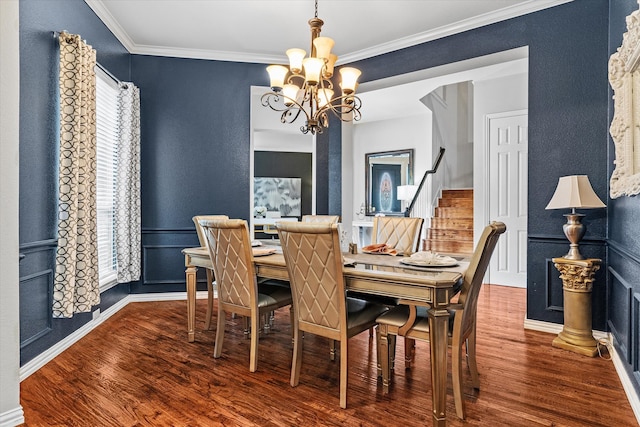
[
  {"x": 455, "y": 28},
  {"x": 468, "y": 24}
]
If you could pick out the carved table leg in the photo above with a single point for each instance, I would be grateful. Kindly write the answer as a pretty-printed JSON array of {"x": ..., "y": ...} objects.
[{"x": 438, "y": 332}]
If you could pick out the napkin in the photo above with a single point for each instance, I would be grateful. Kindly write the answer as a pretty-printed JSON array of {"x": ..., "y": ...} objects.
[
  {"x": 380, "y": 248},
  {"x": 428, "y": 257}
]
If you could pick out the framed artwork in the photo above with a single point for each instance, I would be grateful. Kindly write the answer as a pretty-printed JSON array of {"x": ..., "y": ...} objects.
[
  {"x": 385, "y": 172},
  {"x": 277, "y": 197}
]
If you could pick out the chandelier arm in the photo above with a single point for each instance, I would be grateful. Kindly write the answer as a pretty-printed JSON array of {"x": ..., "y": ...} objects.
[
  {"x": 270, "y": 99},
  {"x": 339, "y": 106}
]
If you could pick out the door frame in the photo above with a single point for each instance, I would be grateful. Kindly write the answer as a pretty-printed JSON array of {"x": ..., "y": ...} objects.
[{"x": 480, "y": 223}]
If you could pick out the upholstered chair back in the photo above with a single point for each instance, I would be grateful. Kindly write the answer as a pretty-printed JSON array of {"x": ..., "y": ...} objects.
[
  {"x": 331, "y": 219},
  {"x": 230, "y": 249},
  {"x": 313, "y": 258},
  {"x": 401, "y": 233},
  {"x": 196, "y": 220}
]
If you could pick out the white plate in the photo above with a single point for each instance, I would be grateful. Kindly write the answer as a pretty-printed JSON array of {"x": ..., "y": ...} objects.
[
  {"x": 255, "y": 243},
  {"x": 418, "y": 263}
]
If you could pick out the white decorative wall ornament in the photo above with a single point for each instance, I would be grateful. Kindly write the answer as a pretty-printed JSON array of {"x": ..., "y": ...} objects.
[{"x": 624, "y": 76}]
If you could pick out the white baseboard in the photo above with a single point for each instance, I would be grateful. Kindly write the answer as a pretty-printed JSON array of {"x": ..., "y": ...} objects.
[
  {"x": 11, "y": 418},
  {"x": 43, "y": 358},
  {"x": 627, "y": 384}
]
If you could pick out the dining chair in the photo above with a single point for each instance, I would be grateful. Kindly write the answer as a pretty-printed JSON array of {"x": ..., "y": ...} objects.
[
  {"x": 400, "y": 233},
  {"x": 210, "y": 277},
  {"x": 314, "y": 262},
  {"x": 331, "y": 219},
  {"x": 462, "y": 320},
  {"x": 238, "y": 289}
]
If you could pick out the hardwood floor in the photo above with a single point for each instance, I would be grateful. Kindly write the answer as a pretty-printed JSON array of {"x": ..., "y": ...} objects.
[{"x": 137, "y": 369}]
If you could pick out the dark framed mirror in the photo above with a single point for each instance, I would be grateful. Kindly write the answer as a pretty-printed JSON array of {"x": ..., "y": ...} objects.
[{"x": 384, "y": 173}]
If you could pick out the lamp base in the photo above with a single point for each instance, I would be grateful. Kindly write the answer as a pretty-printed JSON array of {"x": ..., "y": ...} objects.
[{"x": 574, "y": 230}]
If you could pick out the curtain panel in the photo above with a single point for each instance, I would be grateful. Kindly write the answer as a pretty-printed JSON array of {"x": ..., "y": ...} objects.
[
  {"x": 76, "y": 286},
  {"x": 127, "y": 215}
]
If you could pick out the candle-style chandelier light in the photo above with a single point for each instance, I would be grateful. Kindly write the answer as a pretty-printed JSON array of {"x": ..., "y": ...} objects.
[{"x": 306, "y": 87}]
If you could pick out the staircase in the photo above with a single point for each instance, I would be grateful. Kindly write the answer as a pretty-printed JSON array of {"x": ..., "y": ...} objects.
[{"x": 451, "y": 229}]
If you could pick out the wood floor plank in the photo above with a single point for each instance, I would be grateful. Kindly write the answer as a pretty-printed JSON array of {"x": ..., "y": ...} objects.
[{"x": 137, "y": 369}]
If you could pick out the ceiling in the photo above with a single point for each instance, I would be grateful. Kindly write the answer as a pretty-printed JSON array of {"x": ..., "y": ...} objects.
[{"x": 260, "y": 31}]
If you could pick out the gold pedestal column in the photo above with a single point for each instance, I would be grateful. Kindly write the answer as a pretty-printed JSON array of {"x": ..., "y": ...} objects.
[{"x": 577, "y": 284}]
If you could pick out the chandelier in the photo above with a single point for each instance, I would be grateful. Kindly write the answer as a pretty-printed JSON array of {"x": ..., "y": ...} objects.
[{"x": 306, "y": 88}]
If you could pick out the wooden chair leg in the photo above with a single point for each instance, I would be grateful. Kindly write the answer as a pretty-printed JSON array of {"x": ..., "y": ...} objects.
[
  {"x": 471, "y": 360},
  {"x": 456, "y": 378},
  {"x": 207, "y": 321},
  {"x": 255, "y": 327},
  {"x": 344, "y": 372},
  {"x": 217, "y": 350},
  {"x": 409, "y": 352},
  {"x": 296, "y": 362}
]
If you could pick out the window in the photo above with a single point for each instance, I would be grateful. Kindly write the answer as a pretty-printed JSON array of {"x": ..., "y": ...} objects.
[{"x": 107, "y": 164}]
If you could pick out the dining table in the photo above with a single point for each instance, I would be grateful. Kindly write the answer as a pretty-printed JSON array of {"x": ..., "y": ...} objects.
[{"x": 431, "y": 286}]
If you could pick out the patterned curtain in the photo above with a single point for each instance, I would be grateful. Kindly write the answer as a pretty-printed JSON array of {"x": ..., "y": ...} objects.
[
  {"x": 76, "y": 286},
  {"x": 128, "y": 185}
]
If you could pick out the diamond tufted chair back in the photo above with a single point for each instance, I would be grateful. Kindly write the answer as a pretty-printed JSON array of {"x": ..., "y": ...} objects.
[
  {"x": 331, "y": 219},
  {"x": 401, "y": 233}
]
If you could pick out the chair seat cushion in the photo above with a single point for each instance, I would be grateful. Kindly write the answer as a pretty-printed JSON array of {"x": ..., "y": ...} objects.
[
  {"x": 271, "y": 294},
  {"x": 397, "y": 316},
  {"x": 362, "y": 314}
]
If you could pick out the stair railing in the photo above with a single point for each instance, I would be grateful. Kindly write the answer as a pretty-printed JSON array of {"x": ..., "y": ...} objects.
[{"x": 433, "y": 170}]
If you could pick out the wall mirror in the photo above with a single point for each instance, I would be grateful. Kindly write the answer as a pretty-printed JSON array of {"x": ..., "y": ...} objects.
[
  {"x": 624, "y": 76},
  {"x": 385, "y": 171}
]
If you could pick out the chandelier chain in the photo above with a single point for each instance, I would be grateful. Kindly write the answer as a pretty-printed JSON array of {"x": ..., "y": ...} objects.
[{"x": 316, "y": 8}]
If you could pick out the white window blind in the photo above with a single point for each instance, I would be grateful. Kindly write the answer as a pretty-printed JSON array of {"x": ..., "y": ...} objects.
[{"x": 107, "y": 145}]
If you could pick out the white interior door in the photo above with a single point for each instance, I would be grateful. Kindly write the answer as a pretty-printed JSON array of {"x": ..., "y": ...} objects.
[{"x": 508, "y": 139}]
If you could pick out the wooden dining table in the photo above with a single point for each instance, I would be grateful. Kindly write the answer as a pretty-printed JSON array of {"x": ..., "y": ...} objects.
[{"x": 382, "y": 275}]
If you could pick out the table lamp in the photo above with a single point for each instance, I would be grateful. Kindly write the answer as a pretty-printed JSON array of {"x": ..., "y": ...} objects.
[
  {"x": 574, "y": 192},
  {"x": 406, "y": 193}
]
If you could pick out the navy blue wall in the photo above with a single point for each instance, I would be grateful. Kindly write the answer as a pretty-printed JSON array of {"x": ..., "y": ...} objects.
[
  {"x": 623, "y": 269},
  {"x": 38, "y": 159}
]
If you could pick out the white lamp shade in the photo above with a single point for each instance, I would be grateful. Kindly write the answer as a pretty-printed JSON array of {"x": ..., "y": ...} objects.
[
  {"x": 328, "y": 69},
  {"x": 277, "y": 74},
  {"x": 575, "y": 191},
  {"x": 295, "y": 59},
  {"x": 323, "y": 47},
  {"x": 349, "y": 79},
  {"x": 312, "y": 69},
  {"x": 407, "y": 192},
  {"x": 290, "y": 91}
]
